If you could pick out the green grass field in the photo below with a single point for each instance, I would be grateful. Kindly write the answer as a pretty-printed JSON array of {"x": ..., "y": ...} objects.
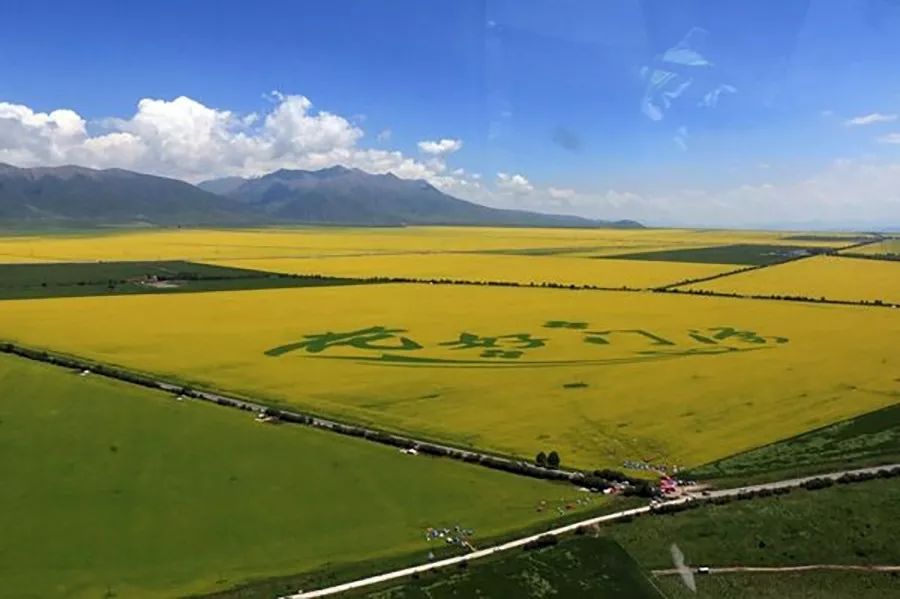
[
  {"x": 790, "y": 585},
  {"x": 580, "y": 567},
  {"x": 870, "y": 439},
  {"x": 33, "y": 281},
  {"x": 748, "y": 254},
  {"x": 845, "y": 524},
  {"x": 111, "y": 490}
]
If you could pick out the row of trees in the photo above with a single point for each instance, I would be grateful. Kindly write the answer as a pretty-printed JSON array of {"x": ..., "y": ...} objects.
[
  {"x": 887, "y": 257},
  {"x": 786, "y": 298},
  {"x": 547, "y": 460},
  {"x": 448, "y": 281},
  {"x": 495, "y": 462}
]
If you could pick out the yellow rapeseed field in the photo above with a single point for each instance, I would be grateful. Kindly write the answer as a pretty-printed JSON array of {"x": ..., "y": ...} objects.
[
  {"x": 207, "y": 244},
  {"x": 601, "y": 377},
  {"x": 888, "y": 246},
  {"x": 494, "y": 267},
  {"x": 849, "y": 279}
]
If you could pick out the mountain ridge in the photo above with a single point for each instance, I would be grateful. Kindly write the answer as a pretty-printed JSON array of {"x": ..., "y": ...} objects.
[
  {"x": 351, "y": 196},
  {"x": 76, "y": 195}
]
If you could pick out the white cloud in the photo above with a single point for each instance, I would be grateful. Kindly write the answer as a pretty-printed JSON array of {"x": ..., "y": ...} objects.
[
  {"x": 384, "y": 135},
  {"x": 24, "y": 133},
  {"x": 890, "y": 138},
  {"x": 560, "y": 193},
  {"x": 515, "y": 184},
  {"x": 186, "y": 139},
  {"x": 440, "y": 147},
  {"x": 870, "y": 119}
]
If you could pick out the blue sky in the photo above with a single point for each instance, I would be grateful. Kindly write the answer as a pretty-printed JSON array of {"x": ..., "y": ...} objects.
[{"x": 696, "y": 112}]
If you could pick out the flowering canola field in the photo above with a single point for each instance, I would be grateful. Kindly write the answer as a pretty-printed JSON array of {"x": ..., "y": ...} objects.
[
  {"x": 835, "y": 278},
  {"x": 600, "y": 377},
  {"x": 492, "y": 267},
  {"x": 211, "y": 244},
  {"x": 888, "y": 246}
]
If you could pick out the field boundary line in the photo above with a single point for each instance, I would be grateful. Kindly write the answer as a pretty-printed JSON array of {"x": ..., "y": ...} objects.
[
  {"x": 674, "y": 288},
  {"x": 875, "y": 257},
  {"x": 509, "y": 464}
]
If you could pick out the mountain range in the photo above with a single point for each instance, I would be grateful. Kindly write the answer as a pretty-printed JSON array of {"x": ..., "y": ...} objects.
[{"x": 76, "y": 195}]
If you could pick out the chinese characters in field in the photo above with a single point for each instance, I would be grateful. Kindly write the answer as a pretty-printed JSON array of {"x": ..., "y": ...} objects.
[{"x": 499, "y": 346}]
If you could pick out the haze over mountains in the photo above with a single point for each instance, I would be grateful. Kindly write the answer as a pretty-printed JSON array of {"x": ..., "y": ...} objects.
[{"x": 336, "y": 195}]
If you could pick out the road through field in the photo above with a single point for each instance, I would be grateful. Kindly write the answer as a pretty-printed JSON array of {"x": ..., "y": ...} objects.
[
  {"x": 791, "y": 482},
  {"x": 396, "y": 574}
]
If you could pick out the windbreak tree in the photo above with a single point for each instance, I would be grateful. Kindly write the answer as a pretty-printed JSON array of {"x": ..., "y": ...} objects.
[{"x": 553, "y": 460}]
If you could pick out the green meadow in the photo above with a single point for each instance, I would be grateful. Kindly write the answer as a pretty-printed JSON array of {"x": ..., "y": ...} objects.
[{"x": 111, "y": 490}]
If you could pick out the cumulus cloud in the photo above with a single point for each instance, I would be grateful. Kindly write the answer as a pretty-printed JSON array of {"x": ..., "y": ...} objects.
[
  {"x": 186, "y": 139},
  {"x": 515, "y": 184},
  {"x": 870, "y": 119},
  {"x": 440, "y": 147},
  {"x": 25, "y": 133}
]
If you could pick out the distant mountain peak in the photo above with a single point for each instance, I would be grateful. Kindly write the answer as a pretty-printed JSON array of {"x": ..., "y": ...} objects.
[
  {"x": 342, "y": 195},
  {"x": 334, "y": 195}
]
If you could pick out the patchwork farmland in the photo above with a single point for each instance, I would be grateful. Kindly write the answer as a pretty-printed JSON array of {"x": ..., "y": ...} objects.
[{"x": 720, "y": 352}]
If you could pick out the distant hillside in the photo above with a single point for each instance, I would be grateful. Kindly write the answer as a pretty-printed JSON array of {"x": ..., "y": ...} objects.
[
  {"x": 72, "y": 194},
  {"x": 351, "y": 196}
]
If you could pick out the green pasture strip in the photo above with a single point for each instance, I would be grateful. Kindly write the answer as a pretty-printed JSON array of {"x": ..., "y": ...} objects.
[
  {"x": 742, "y": 253},
  {"x": 80, "y": 279}
]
